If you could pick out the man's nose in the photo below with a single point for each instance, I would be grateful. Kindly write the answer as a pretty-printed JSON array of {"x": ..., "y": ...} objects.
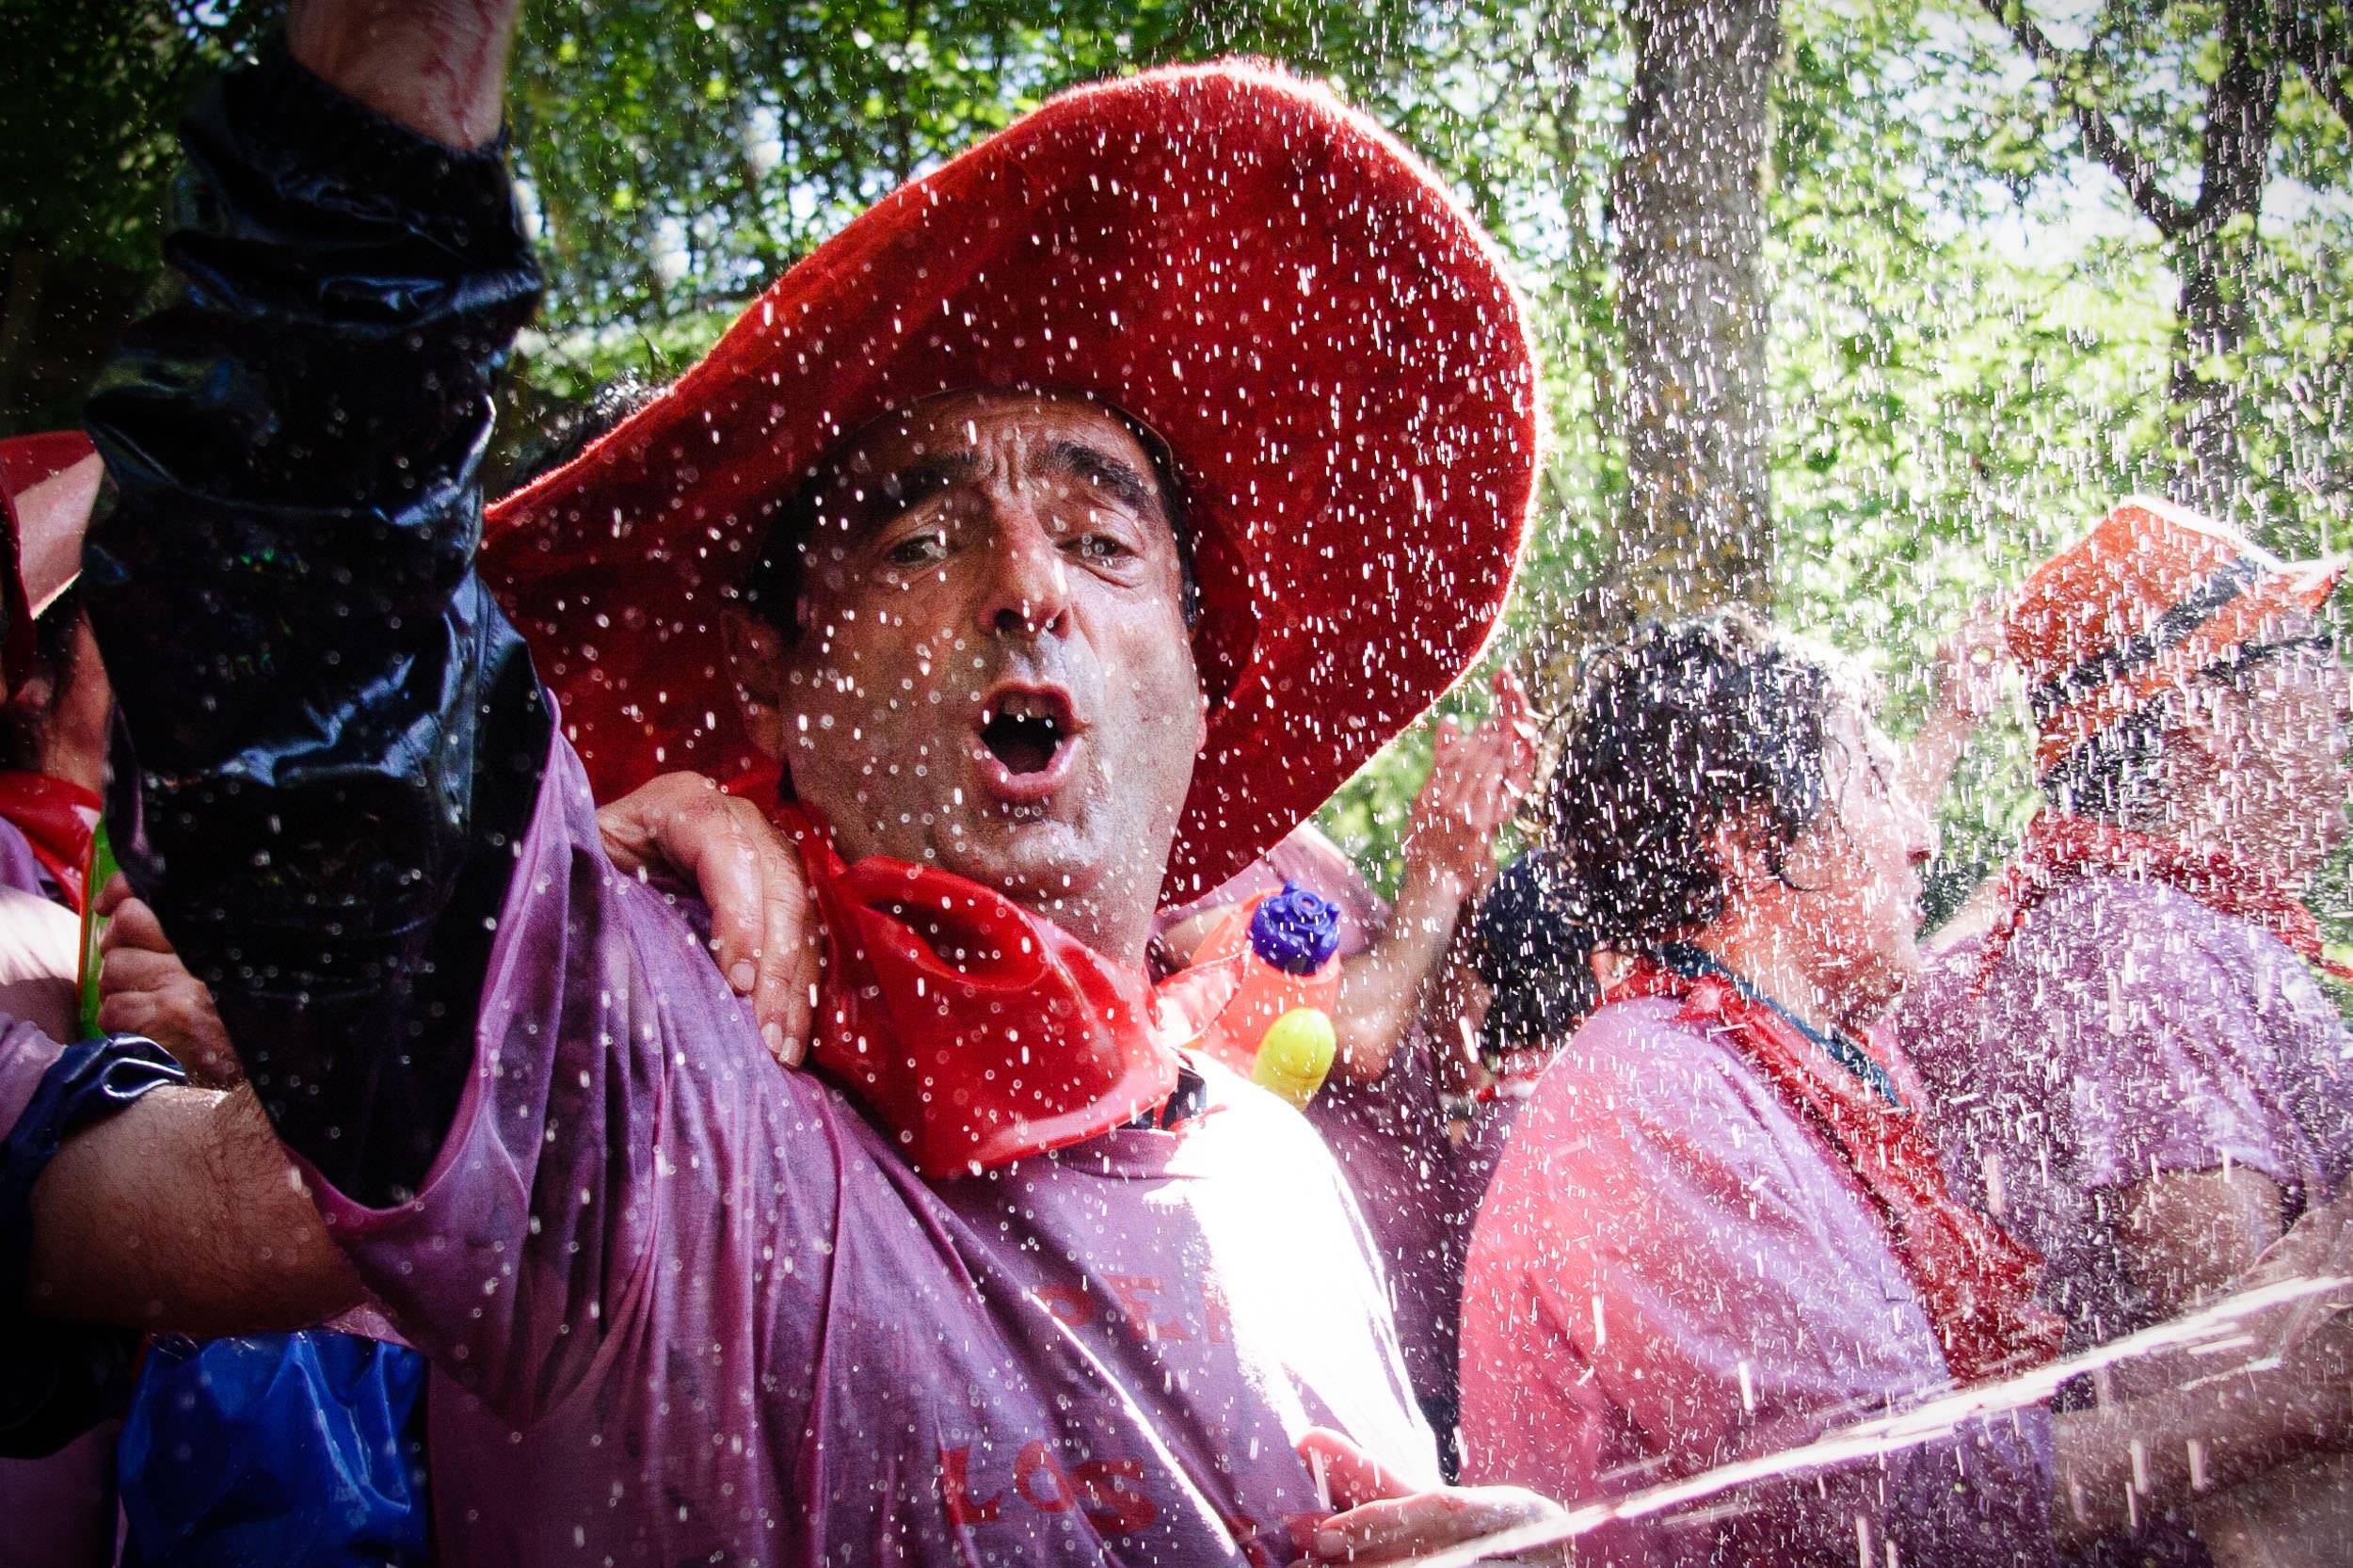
[{"x": 1027, "y": 591}]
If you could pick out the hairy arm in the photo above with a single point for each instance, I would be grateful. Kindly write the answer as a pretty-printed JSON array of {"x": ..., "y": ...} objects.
[
  {"x": 181, "y": 1212},
  {"x": 2188, "y": 1234}
]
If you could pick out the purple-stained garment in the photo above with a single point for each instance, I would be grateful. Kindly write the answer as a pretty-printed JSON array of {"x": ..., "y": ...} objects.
[
  {"x": 1307, "y": 856},
  {"x": 18, "y": 868},
  {"x": 1671, "y": 1270},
  {"x": 25, "y": 1054},
  {"x": 59, "y": 1510},
  {"x": 2128, "y": 1029},
  {"x": 1419, "y": 1185},
  {"x": 729, "y": 1325},
  {"x": 1420, "y": 1190}
]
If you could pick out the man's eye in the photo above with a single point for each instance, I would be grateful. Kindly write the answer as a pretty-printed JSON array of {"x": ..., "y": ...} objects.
[
  {"x": 917, "y": 550},
  {"x": 1100, "y": 546}
]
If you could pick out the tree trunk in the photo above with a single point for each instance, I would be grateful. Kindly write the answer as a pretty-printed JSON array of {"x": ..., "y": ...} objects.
[
  {"x": 2214, "y": 259},
  {"x": 2210, "y": 330},
  {"x": 1689, "y": 201}
]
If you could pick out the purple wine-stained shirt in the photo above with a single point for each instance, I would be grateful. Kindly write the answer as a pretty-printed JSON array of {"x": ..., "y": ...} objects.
[
  {"x": 18, "y": 868},
  {"x": 700, "y": 1312},
  {"x": 1419, "y": 1190},
  {"x": 59, "y": 1510},
  {"x": 2129, "y": 1030},
  {"x": 1671, "y": 1270}
]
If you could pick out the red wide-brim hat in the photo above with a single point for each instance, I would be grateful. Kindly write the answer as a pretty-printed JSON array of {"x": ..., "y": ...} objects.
[{"x": 1262, "y": 276}]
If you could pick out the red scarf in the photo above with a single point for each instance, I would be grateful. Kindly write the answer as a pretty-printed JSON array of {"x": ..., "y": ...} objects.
[
  {"x": 57, "y": 819},
  {"x": 1975, "y": 1283},
  {"x": 975, "y": 1032},
  {"x": 2059, "y": 845}
]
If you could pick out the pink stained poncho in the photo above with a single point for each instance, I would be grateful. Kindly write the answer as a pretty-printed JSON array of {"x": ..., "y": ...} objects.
[
  {"x": 1673, "y": 1270},
  {"x": 696, "y": 1309}
]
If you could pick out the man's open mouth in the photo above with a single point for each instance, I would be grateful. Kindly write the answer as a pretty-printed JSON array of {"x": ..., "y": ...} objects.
[{"x": 1025, "y": 730}]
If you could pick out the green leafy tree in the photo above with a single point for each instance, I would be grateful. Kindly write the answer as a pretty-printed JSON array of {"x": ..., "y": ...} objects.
[
  {"x": 2120, "y": 92},
  {"x": 89, "y": 96}
]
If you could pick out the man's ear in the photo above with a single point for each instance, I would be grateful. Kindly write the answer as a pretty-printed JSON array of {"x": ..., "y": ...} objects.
[{"x": 756, "y": 655}]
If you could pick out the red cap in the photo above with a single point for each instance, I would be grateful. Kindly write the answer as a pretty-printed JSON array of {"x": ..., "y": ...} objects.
[
  {"x": 2154, "y": 594},
  {"x": 1258, "y": 274},
  {"x": 48, "y": 484}
]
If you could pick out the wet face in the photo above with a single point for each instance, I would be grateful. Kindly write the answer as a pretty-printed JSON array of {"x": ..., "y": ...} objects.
[
  {"x": 57, "y": 723},
  {"x": 991, "y": 672},
  {"x": 1851, "y": 919},
  {"x": 2258, "y": 761}
]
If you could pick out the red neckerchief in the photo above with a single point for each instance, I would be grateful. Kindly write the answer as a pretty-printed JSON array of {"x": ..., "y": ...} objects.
[
  {"x": 1975, "y": 1282},
  {"x": 2059, "y": 845},
  {"x": 976, "y": 1032},
  {"x": 57, "y": 819}
]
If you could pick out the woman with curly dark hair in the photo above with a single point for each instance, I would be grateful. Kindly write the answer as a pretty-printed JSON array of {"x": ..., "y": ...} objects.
[{"x": 1719, "y": 1227}]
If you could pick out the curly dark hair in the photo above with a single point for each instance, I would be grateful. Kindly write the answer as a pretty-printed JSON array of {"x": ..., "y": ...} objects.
[
  {"x": 1525, "y": 943},
  {"x": 1675, "y": 730}
]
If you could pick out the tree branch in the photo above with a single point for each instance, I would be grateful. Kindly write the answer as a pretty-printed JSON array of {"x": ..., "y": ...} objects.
[
  {"x": 2240, "y": 112},
  {"x": 2101, "y": 138},
  {"x": 2324, "y": 55}
]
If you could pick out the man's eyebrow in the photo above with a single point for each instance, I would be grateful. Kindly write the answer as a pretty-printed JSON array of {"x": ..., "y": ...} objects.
[
  {"x": 1123, "y": 482},
  {"x": 910, "y": 484}
]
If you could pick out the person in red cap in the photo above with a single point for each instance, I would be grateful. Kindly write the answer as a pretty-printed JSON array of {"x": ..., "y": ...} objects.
[
  {"x": 1061, "y": 532},
  {"x": 2137, "y": 1066}
]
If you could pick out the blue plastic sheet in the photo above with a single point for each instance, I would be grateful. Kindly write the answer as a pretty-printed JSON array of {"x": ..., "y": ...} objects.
[{"x": 300, "y": 1450}]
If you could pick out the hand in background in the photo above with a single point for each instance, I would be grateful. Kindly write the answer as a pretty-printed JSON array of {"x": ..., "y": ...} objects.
[
  {"x": 1966, "y": 682},
  {"x": 1966, "y": 678},
  {"x": 1385, "y": 1519},
  {"x": 1477, "y": 780},
  {"x": 143, "y": 988}
]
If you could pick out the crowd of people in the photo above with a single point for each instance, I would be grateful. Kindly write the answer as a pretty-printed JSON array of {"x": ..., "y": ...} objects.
[{"x": 666, "y": 1016}]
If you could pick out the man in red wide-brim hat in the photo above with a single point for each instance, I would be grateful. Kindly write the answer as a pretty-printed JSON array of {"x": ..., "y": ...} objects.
[{"x": 1067, "y": 527}]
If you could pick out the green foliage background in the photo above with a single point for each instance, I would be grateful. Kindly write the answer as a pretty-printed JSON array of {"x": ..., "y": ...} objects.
[{"x": 1969, "y": 333}]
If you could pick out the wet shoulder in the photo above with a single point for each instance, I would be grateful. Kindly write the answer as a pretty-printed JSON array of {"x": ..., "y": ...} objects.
[
  {"x": 2103, "y": 921},
  {"x": 1639, "y": 1084},
  {"x": 1642, "y": 1055},
  {"x": 2106, "y": 949}
]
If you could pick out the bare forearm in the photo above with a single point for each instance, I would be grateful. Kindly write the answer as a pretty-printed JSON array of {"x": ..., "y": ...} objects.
[
  {"x": 183, "y": 1213},
  {"x": 438, "y": 67},
  {"x": 2172, "y": 1445},
  {"x": 1380, "y": 988}
]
